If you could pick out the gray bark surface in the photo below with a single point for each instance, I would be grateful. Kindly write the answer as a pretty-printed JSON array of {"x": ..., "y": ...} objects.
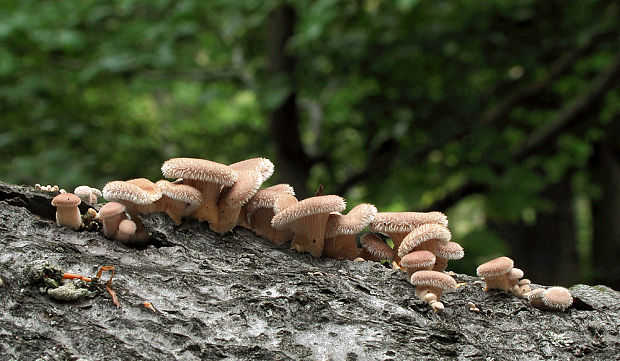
[{"x": 237, "y": 297}]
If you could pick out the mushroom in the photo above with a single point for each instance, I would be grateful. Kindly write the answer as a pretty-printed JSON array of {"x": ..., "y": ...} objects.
[
  {"x": 551, "y": 299},
  {"x": 87, "y": 194},
  {"x": 513, "y": 281},
  {"x": 260, "y": 211},
  {"x": 152, "y": 191},
  {"x": 308, "y": 220},
  {"x": 67, "y": 211},
  {"x": 446, "y": 252},
  {"x": 374, "y": 248},
  {"x": 111, "y": 214},
  {"x": 207, "y": 176},
  {"x": 397, "y": 225},
  {"x": 284, "y": 201},
  {"x": 417, "y": 261},
  {"x": 263, "y": 165},
  {"x": 524, "y": 287},
  {"x": 126, "y": 231},
  {"x": 425, "y": 237},
  {"x": 430, "y": 285},
  {"x": 495, "y": 273},
  {"x": 138, "y": 196},
  {"x": 177, "y": 200},
  {"x": 557, "y": 299},
  {"x": 251, "y": 173},
  {"x": 341, "y": 231}
]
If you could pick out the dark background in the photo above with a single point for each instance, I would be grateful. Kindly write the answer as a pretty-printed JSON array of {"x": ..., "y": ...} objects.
[{"x": 503, "y": 114}]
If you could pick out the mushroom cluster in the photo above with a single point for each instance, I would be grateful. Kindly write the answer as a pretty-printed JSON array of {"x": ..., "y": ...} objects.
[
  {"x": 500, "y": 273},
  {"x": 551, "y": 299},
  {"x": 226, "y": 196},
  {"x": 422, "y": 248}
]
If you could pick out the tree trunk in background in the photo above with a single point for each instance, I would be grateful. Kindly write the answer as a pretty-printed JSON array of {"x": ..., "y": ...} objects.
[
  {"x": 293, "y": 162},
  {"x": 546, "y": 251},
  {"x": 606, "y": 216}
]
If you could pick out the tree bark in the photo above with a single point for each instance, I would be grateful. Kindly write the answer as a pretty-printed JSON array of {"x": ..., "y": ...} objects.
[{"x": 198, "y": 295}]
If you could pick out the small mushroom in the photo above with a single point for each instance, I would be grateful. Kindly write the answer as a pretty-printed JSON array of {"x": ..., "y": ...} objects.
[
  {"x": 551, "y": 299},
  {"x": 87, "y": 194},
  {"x": 126, "y": 231},
  {"x": 513, "y": 281},
  {"x": 242, "y": 219},
  {"x": 67, "y": 211},
  {"x": 397, "y": 225},
  {"x": 263, "y": 165},
  {"x": 207, "y": 176},
  {"x": 447, "y": 252},
  {"x": 535, "y": 297},
  {"x": 152, "y": 192},
  {"x": 417, "y": 261},
  {"x": 524, "y": 288},
  {"x": 341, "y": 231},
  {"x": 308, "y": 220},
  {"x": 430, "y": 285},
  {"x": 251, "y": 173},
  {"x": 177, "y": 200},
  {"x": 111, "y": 215},
  {"x": 260, "y": 211},
  {"x": 425, "y": 237},
  {"x": 495, "y": 273},
  {"x": 374, "y": 248},
  {"x": 138, "y": 196}
]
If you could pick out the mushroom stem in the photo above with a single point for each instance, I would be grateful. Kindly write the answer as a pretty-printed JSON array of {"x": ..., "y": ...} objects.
[
  {"x": 397, "y": 239},
  {"x": 227, "y": 219},
  {"x": 207, "y": 211},
  {"x": 260, "y": 222},
  {"x": 440, "y": 264},
  {"x": 431, "y": 296},
  {"x": 341, "y": 246},
  {"x": 242, "y": 220},
  {"x": 309, "y": 234},
  {"x": 501, "y": 282},
  {"x": 430, "y": 245},
  {"x": 69, "y": 217},
  {"x": 174, "y": 209},
  {"x": 436, "y": 306},
  {"x": 110, "y": 224},
  {"x": 141, "y": 234},
  {"x": 410, "y": 271}
]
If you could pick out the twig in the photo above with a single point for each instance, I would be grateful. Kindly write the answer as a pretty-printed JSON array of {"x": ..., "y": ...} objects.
[{"x": 108, "y": 285}]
